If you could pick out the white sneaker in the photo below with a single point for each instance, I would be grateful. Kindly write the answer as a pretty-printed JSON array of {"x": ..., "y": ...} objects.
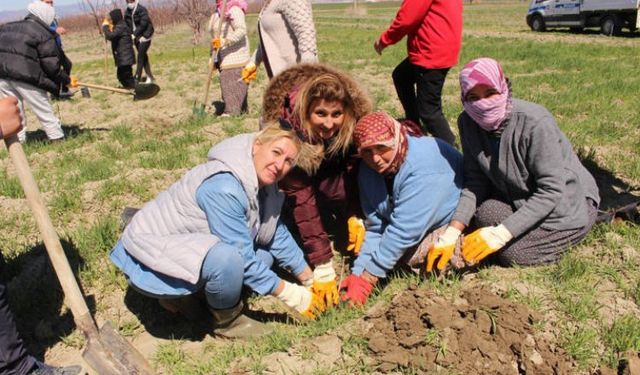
[{"x": 149, "y": 80}]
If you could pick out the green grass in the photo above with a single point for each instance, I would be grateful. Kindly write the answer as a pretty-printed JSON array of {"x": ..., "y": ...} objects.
[
  {"x": 10, "y": 186},
  {"x": 623, "y": 335}
]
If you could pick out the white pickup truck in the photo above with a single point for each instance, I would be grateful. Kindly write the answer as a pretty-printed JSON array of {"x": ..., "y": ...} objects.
[{"x": 609, "y": 15}]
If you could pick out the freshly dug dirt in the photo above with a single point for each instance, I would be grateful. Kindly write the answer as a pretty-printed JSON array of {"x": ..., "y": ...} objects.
[{"x": 478, "y": 332}]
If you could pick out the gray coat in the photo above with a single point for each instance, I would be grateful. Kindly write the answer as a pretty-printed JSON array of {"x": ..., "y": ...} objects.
[
  {"x": 537, "y": 172},
  {"x": 171, "y": 235}
]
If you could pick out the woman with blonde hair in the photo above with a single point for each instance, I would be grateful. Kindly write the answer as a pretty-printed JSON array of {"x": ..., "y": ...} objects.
[
  {"x": 217, "y": 231},
  {"x": 323, "y": 105}
]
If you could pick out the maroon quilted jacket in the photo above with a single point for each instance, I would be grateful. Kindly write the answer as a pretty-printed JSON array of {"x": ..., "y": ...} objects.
[{"x": 333, "y": 188}]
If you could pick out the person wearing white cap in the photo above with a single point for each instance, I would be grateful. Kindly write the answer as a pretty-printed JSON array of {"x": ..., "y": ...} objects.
[{"x": 28, "y": 78}]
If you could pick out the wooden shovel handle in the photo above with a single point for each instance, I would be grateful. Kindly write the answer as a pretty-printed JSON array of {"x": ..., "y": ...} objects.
[
  {"x": 107, "y": 88},
  {"x": 74, "y": 298}
]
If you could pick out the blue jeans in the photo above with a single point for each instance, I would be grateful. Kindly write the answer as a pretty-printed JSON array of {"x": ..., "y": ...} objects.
[
  {"x": 223, "y": 274},
  {"x": 221, "y": 277}
]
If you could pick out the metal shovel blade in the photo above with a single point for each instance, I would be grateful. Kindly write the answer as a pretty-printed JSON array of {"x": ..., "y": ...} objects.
[
  {"x": 108, "y": 353},
  {"x": 122, "y": 352},
  {"x": 145, "y": 91}
]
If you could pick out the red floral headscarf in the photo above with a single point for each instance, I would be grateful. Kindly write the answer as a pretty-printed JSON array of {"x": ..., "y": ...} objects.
[{"x": 378, "y": 128}]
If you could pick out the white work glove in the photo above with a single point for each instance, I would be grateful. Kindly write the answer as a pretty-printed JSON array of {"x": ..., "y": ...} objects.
[
  {"x": 443, "y": 248},
  {"x": 303, "y": 300},
  {"x": 484, "y": 241},
  {"x": 325, "y": 284},
  {"x": 144, "y": 40}
]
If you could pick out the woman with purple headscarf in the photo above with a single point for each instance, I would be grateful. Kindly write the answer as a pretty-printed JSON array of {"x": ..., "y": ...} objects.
[{"x": 529, "y": 195}]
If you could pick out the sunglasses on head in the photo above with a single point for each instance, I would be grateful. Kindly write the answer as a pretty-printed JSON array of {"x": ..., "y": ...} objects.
[{"x": 286, "y": 125}]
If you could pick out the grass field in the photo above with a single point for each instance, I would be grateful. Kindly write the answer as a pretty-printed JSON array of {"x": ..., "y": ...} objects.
[{"x": 122, "y": 153}]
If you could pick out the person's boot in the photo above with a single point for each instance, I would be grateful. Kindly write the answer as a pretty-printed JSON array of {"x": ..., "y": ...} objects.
[{"x": 233, "y": 324}]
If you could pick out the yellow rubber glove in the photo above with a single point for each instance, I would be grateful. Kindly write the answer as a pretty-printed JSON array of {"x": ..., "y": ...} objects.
[
  {"x": 249, "y": 73},
  {"x": 304, "y": 301},
  {"x": 484, "y": 241},
  {"x": 356, "y": 234},
  {"x": 216, "y": 43},
  {"x": 325, "y": 285},
  {"x": 443, "y": 248},
  {"x": 316, "y": 307},
  {"x": 74, "y": 82}
]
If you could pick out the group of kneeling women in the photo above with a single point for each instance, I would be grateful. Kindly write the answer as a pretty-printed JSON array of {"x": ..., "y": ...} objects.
[{"x": 516, "y": 195}]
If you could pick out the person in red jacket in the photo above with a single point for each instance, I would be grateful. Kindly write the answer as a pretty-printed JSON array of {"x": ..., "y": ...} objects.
[
  {"x": 323, "y": 105},
  {"x": 434, "y": 35}
]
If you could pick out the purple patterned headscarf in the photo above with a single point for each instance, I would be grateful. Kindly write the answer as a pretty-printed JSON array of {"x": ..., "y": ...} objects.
[{"x": 489, "y": 113}]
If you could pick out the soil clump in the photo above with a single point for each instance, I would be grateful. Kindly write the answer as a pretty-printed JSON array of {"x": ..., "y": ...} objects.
[{"x": 478, "y": 332}]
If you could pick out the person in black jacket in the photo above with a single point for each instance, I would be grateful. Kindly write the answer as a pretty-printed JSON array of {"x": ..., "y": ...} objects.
[
  {"x": 138, "y": 20},
  {"x": 115, "y": 29},
  {"x": 31, "y": 66}
]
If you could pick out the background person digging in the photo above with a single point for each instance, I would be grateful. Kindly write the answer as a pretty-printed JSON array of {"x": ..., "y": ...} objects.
[
  {"x": 116, "y": 31},
  {"x": 141, "y": 27},
  {"x": 232, "y": 53},
  {"x": 31, "y": 66}
]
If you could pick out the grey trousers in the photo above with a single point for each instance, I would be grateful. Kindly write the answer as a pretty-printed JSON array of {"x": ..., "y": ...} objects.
[
  {"x": 38, "y": 101},
  {"x": 234, "y": 91},
  {"x": 538, "y": 245}
]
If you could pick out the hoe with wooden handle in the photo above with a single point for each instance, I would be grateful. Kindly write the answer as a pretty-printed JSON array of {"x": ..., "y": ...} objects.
[
  {"x": 214, "y": 55},
  {"x": 105, "y": 351},
  {"x": 142, "y": 91}
]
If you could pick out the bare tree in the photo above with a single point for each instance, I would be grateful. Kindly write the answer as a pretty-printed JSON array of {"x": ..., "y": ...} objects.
[
  {"x": 96, "y": 8},
  {"x": 195, "y": 12}
]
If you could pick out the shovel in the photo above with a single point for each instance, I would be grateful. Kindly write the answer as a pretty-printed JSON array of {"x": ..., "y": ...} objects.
[
  {"x": 202, "y": 109},
  {"x": 142, "y": 91},
  {"x": 105, "y": 351}
]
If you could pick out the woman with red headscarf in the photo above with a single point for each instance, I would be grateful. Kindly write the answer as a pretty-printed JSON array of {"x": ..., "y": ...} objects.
[
  {"x": 409, "y": 188},
  {"x": 530, "y": 196}
]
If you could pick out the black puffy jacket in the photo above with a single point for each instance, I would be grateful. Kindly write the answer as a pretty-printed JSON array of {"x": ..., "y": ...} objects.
[
  {"x": 120, "y": 37},
  {"x": 141, "y": 20},
  {"x": 29, "y": 53}
]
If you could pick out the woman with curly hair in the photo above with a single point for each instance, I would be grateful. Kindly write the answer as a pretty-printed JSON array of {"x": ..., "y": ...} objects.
[{"x": 323, "y": 105}]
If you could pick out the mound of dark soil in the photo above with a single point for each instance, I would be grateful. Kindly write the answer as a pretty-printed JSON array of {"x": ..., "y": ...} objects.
[{"x": 478, "y": 332}]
